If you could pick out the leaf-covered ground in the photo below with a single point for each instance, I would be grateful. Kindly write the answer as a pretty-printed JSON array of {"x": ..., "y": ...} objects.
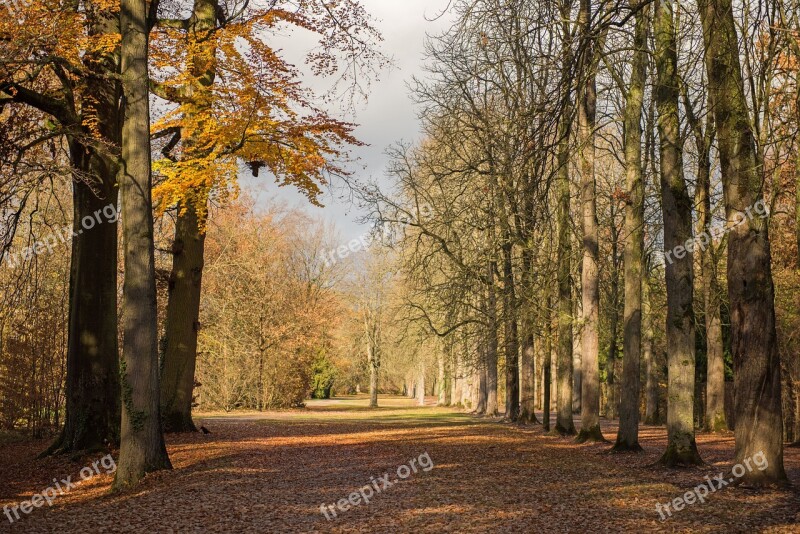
[{"x": 271, "y": 472}]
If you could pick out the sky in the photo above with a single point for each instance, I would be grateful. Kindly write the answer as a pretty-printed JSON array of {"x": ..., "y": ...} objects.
[{"x": 388, "y": 116}]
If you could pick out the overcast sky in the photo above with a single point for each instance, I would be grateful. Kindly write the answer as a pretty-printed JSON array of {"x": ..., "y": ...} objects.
[{"x": 389, "y": 115}]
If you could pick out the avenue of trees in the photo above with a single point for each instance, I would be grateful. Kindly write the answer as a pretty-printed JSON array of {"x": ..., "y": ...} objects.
[{"x": 602, "y": 218}]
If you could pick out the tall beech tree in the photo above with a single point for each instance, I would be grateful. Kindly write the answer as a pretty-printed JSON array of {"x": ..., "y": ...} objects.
[
  {"x": 564, "y": 358},
  {"x": 714, "y": 420},
  {"x": 591, "y": 45},
  {"x": 73, "y": 80},
  {"x": 142, "y": 447},
  {"x": 754, "y": 344},
  {"x": 628, "y": 434},
  {"x": 677, "y": 211}
]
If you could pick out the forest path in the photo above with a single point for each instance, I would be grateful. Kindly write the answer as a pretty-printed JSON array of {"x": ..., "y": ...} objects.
[{"x": 271, "y": 472}]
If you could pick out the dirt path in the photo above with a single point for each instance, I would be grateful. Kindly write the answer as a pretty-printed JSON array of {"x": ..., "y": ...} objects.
[{"x": 272, "y": 472}]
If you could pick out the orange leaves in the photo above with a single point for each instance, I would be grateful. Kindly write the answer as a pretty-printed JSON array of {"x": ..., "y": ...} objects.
[{"x": 234, "y": 99}]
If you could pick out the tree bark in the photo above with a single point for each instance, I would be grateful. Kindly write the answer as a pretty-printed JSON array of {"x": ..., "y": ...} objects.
[
  {"x": 564, "y": 423},
  {"x": 677, "y": 210},
  {"x": 183, "y": 306},
  {"x": 443, "y": 384},
  {"x": 491, "y": 346},
  {"x": 421, "y": 386},
  {"x": 481, "y": 389},
  {"x": 374, "y": 368},
  {"x": 92, "y": 415},
  {"x": 628, "y": 434},
  {"x": 590, "y": 368},
  {"x": 456, "y": 396},
  {"x": 651, "y": 416},
  {"x": 182, "y": 323},
  {"x": 142, "y": 448},
  {"x": 528, "y": 376},
  {"x": 756, "y": 363},
  {"x": 715, "y": 374},
  {"x": 547, "y": 364},
  {"x": 511, "y": 333},
  {"x": 91, "y": 421}
]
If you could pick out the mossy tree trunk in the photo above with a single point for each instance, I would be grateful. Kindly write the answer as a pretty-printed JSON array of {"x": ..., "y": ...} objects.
[{"x": 677, "y": 211}]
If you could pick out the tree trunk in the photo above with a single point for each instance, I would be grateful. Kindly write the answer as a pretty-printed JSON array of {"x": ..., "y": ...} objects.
[
  {"x": 547, "y": 364},
  {"x": 92, "y": 390},
  {"x": 797, "y": 175},
  {"x": 183, "y": 306},
  {"x": 92, "y": 383},
  {"x": 715, "y": 375},
  {"x": 756, "y": 363},
  {"x": 443, "y": 384},
  {"x": 651, "y": 416},
  {"x": 511, "y": 334},
  {"x": 577, "y": 346},
  {"x": 590, "y": 368},
  {"x": 481, "y": 389},
  {"x": 374, "y": 364},
  {"x": 528, "y": 377},
  {"x": 491, "y": 347},
  {"x": 183, "y": 323},
  {"x": 457, "y": 379},
  {"x": 142, "y": 448},
  {"x": 421, "y": 387},
  {"x": 628, "y": 434},
  {"x": 677, "y": 210},
  {"x": 564, "y": 423}
]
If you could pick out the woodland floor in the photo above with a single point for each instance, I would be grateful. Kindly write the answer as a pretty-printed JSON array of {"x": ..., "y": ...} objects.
[{"x": 270, "y": 472}]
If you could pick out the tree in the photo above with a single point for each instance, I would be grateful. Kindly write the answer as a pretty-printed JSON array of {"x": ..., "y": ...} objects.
[
  {"x": 590, "y": 293},
  {"x": 628, "y": 434},
  {"x": 142, "y": 447},
  {"x": 77, "y": 88},
  {"x": 231, "y": 105},
  {"x": 677, "y": 211},
  {"x": 756, "y": 363}
]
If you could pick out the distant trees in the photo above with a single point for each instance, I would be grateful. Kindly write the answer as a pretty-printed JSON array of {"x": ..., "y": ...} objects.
[{"x": 270, "y": 309}]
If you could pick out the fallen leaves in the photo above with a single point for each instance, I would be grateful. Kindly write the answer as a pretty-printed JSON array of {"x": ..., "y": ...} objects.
[{"x": 271, "y": 472}]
